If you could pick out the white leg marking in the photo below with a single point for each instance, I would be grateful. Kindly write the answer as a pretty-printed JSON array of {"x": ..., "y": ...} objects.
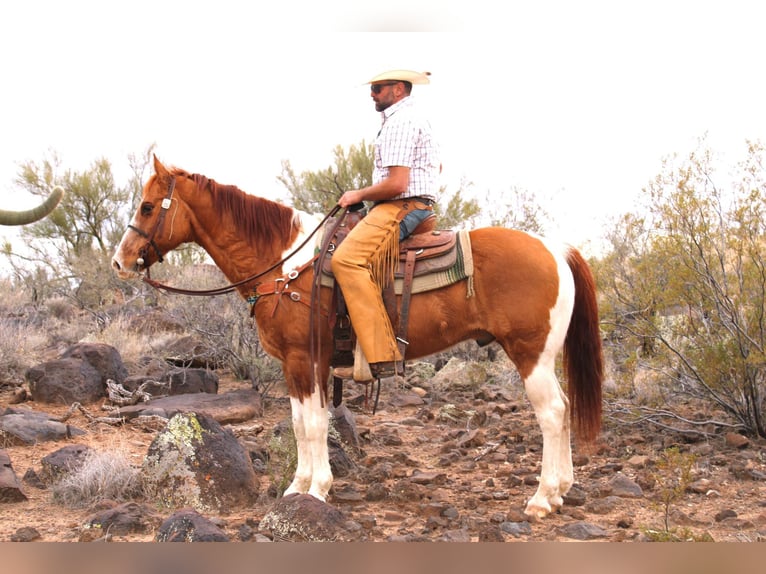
[
  {"x": 310, "y": 424},
  {"x": 551, "y": 410},
  {"x": 316, "y": 420},
  {"x": 302, "y": 480}
]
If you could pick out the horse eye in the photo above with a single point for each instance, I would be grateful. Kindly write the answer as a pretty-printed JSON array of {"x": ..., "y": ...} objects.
[{"x": 146, "y": 208}]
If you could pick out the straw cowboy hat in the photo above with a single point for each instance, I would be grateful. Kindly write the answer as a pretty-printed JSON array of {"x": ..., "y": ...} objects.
[{"x": 402, "y": 76}]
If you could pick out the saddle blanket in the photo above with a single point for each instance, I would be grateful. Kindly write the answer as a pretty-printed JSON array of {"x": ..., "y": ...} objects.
[{"x": 422, "y": 282}]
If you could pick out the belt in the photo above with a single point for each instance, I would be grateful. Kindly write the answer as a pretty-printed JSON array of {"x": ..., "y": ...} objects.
[{"x": 426, "y": 200}]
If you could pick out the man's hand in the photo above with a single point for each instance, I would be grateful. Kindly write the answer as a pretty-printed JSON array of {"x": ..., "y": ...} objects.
[{"x": 350, "y": 198}]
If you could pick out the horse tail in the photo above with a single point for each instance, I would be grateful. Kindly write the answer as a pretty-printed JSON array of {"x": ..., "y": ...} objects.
[{"x": 583, "y": 358}]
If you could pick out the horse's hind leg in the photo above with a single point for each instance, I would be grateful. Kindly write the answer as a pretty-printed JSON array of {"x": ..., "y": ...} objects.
[{"x": 551, "y": 408}]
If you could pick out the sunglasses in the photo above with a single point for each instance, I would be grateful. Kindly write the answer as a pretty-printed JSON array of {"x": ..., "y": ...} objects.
[{"x": 377, "y": 88}]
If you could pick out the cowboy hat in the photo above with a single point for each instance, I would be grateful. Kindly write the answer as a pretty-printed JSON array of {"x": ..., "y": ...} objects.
[{"x": 402, "y": 76}]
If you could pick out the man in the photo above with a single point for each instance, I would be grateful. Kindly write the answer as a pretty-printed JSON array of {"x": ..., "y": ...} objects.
[{"x": 405, "y": 184}]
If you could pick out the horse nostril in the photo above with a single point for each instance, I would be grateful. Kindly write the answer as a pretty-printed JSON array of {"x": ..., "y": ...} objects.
[{"x": 115, "y": 265}]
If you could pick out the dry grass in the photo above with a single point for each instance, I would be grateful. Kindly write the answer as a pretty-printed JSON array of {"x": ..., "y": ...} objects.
[
  {"x": 131, "y": 344},
  {"x": 103, "y": 475},
  {"x": 21, "y": 346}
]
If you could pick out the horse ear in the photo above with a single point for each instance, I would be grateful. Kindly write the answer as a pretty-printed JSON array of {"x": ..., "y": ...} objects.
[{"x": 159, "y": 169}]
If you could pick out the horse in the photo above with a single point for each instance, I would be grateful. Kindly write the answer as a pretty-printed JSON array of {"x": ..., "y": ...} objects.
[{"x": 535, "y": 299}]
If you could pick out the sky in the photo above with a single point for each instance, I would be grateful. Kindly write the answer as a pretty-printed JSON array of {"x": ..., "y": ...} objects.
[{"x": 575, "y": 102}]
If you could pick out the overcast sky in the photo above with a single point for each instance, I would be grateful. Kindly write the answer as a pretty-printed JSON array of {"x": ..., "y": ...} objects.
[{"x": 576, "y": 101}]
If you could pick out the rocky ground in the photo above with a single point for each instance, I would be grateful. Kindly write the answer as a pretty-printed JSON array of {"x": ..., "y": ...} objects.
[{"x": 444, "y": 459}]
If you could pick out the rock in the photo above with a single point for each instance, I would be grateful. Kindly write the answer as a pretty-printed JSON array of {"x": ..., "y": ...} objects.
[
  {"x": 624, "y": 522},
  {"x": 405, "y": 491},
  {"x": 620, "y": 485},
  {"x": 575, "y": 497},
  {"x": 62, "y": 461},
  {"x": 406, "y": 399},
  {"x": 188, "y": 525},
  {"x": 188, "y": 381},
  {"x": 682, "y": 519},
  {"x": 10, "y": 489},
  {"x": 79, "y": 375},
  {"x": 724, "y": 514},
  {"x": 701, "y": 486},
  {"x": 303, "y": 518},
  {"x": 195, "y": 462},
  {"x": 516, "y": 529},
  {"x": 102, "y": 357},
  {"x": 19, "y": 396},
  {"x": 26, "y": 427},
  {"x": 32, "y": 479},
  {"x": 25, "y": 534},
  {"x": 736, "y": 440},
  {"x": 347, "y": 494},
  {"x": 389, "y": 437},
  {"x": 472, "y": 439},
  {"x": 227, "y": 408},
  {"x": 582, "y": 531},
  {"x": 66, "y": 381},
  {"x": 430, "y": 477},
  {"x": 490, "y": 533},
  {"x": 376, "y": 492},
  {"x": 345, "y": 425},
  {"x": 340, "y": 463},
  {"x": 412, "y": 422},
  {"x": 603, "y": 505},
  {"x": 579, "y": 459},
  {"x": 461, "y": 535},
  {"x": 121, "y": 520},
  {"x": 638, "y": 461}
]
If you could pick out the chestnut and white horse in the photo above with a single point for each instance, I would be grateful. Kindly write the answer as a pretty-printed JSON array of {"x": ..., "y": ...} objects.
[{"x": 534, "y": 299}]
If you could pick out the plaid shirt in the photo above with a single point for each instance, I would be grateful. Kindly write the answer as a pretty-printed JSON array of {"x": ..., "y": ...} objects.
[{"x": 406, "y": 140}]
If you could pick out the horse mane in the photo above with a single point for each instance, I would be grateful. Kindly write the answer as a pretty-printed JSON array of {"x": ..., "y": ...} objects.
[{"x": 260, "y": 220}]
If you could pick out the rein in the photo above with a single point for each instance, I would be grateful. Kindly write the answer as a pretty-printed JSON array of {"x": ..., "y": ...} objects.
[
  {"x": 315, "y": 339},
  {"x": 231, "y": 287}
]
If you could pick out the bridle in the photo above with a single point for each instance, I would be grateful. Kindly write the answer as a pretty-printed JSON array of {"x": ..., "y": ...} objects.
[{"x": 164, "y": 206}]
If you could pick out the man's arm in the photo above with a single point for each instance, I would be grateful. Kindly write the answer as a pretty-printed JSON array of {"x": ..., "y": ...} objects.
[{"x": 395, "y": 184}]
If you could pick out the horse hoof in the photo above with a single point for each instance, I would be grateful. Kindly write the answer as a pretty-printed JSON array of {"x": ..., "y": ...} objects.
[
  {"x": 318, "y": 496},
  {"x": 537, "y": 511}
]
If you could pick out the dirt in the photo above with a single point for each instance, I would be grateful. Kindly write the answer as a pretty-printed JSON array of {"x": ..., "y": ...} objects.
[{"x": 418, "y": 479}]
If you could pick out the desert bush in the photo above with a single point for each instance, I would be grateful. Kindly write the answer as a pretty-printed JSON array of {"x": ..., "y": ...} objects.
[
  {"x": 673, "y": 475},
  {"x": 103, "y": 475},
  {"x": 683, "y": 287},
  {"x": 21, "y": 346},
  {"x": 283, "y": 458}
]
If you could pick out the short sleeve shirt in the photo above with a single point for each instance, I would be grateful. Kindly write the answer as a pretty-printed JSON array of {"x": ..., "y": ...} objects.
[{"x": 406, "y": 139}]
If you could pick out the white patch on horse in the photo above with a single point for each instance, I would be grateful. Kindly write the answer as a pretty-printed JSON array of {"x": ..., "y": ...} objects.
[
  {"x": 550, "y": 404},
  {"x": 308, "y": 223}
]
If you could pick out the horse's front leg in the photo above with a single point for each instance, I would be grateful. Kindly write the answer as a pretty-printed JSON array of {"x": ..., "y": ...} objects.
[
  {"x": 302, "y": 479},
  {"x": 552, "y": 410},
  {"x": 313, "y": 474}
]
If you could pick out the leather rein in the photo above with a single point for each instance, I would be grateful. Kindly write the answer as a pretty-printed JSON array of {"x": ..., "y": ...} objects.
[{"x": 143, "y": 252}]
